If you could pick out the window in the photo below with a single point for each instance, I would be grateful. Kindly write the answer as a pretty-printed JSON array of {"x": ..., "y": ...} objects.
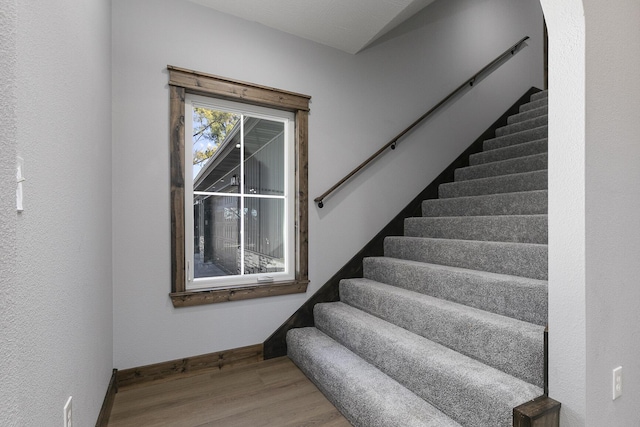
[
  {"x": 238, "y": 194},
  {"x": 239, "y": 197}
]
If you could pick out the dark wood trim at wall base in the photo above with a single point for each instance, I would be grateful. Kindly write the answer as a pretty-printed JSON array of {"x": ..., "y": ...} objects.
[
  {"x": 107, "y": 404},
  {"x": 275, "y": 345},
  {"x": 539, "y": 412},
  {"x": 196, "y": 364}
]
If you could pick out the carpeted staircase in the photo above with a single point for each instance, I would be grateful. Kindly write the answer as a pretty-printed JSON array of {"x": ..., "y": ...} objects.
[{"x": 447, "y": 328}]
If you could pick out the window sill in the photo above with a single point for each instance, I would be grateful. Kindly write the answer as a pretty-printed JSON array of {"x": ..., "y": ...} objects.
[{"x": 213, "y": 296}]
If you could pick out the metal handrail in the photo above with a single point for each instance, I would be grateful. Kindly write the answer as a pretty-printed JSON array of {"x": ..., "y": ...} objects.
[{"x": 392, "y": 144}]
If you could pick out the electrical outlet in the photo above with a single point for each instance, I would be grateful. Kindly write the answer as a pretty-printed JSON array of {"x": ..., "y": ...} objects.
[
  {"x": 67, "y": 414},
  {"x": 617, "y": 382}
]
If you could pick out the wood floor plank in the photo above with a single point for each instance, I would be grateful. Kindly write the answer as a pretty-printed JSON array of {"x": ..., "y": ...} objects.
[{"x": 268, "y": 393}]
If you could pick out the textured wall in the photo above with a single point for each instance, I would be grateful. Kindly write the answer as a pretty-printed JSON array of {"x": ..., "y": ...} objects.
[
  {"x": 594, "y": 228},
  {"x": 61, "y": 291},
  {"x": 612, "y": 165},
  {"x": 567, "y": 209},
  {"x": 9, "y": 335},
  {"x": 358, "y": 103}
]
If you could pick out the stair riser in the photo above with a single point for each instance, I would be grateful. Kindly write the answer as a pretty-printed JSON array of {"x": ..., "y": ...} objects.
[
  {"x": 516, "y": 138},
  {"x": 496, "y": 185},
  {"x": 531, "y": 114},
  {"x": 518, "y": 259},
  {"x": 517, "y": 229},
  {"x": 526, "y": 203},
  {"x": 511, "y": 296},
  {"x": 509, "y": 345},
  {"x": 462, "y": 388},
  {"x": 522, "y": 126},
  {"x": 363, "y": 394},
  {"x": 520, "y": 150},
  {"x": 532, "y": 163}
]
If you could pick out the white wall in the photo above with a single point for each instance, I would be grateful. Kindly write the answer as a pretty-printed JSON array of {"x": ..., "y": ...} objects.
[
  {"x": 567, "y": 209},
  {"x": 612, "y": 165},
  {"x": 56, "y": 294},
  {"x": 358, "y": 103},
  {"x": 594, "y": 230},
  {"x": 9, "y": 331}
]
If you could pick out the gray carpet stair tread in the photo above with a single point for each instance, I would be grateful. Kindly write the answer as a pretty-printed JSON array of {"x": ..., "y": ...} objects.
[
  {"x": 468, "y": 391},
  {"x": 517, "y": 182},
  {"x": 507, "y": 344},
  {"x": 502, "y": 228},
  {"x": 516, "y": 138},
  {"x": 513, "y": 151},
  {"x": 540, "y": 95},
  {"x": 532, "y": 105},
  {"x": 363, "y": 394},
  {"x": 513, "y": 296},
  {"x": 447, "y": 328},
  {"x": 534, "y": 162},
  {"x": 518, "y": 203},
  {"x": 518, "y": 259},
  {"x": 530, "y": 114},
  {"x": 531, "y": 123}
]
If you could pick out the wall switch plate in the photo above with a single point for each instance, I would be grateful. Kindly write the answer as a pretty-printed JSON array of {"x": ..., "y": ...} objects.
[
  {"x": 67, "y": 413},
  {"x": 617, "y": 382}
]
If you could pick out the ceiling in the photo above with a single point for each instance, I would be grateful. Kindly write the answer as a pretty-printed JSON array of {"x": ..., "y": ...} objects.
[{"x": 348, "y": 25}]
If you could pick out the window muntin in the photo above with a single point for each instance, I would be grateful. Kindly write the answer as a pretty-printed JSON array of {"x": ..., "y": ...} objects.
[{"x": 239, "y": 204}]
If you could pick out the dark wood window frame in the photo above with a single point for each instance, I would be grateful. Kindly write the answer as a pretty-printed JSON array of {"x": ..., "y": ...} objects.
[{"x": 182, "y": 82}]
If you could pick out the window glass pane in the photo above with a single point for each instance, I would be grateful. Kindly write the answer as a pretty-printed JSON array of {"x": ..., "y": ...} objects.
[
  {"x": 216, "y": 150},
  {"x": 263, "y": 157},
  {"x": 264, "y": 235},
  {"x": 216, "y": 231}
]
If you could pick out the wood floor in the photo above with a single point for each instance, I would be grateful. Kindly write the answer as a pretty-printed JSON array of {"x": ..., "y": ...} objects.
[{"x": 269, "y": 393}]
